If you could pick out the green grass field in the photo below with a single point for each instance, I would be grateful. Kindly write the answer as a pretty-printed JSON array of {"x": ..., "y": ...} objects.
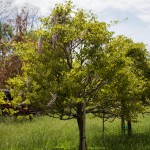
[{"x": 44, "y": 133}]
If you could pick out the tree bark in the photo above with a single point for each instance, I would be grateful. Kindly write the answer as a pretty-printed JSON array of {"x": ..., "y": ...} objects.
[
  {"x": 122, "y": 125},
  {"x": 123, "y": 117},
  {"x": 82, "y": 126},
  {"x": 129, "y": 128},
  {"x": 103, "y": 128}
]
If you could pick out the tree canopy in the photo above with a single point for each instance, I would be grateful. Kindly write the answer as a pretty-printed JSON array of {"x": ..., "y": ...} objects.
[{"x": 73, "y": 65}]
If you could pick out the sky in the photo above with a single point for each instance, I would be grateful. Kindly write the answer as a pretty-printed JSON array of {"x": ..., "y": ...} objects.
[{"x": 137, "y": 26}]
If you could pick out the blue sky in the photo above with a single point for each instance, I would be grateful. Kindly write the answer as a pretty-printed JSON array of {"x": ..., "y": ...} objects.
[{"x": 137, "y": 26}]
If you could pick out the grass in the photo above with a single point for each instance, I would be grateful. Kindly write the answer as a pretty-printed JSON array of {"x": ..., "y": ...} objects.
[{"x": 44, "y": 133}]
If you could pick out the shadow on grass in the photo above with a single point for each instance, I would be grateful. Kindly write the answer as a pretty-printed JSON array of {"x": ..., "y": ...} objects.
[{"x": 136, "y": 142}]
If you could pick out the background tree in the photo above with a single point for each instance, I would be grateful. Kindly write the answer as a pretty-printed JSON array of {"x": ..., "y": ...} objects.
[
  {"x": 5, "y": 7},
  {"x": 124, "y": 97},
  {"x": 14, "y": 29}
]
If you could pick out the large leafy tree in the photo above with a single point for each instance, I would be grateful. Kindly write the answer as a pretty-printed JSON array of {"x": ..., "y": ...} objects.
[
  {"x": 73, "y": 67},
  {"x": 69, "y": 66}
]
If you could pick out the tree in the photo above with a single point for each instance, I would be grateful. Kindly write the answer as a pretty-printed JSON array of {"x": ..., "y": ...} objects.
[
  {"x": 140, "y": 57},
  {"x": 5, "y": 8},
  {"x": 124, "y": 96},
  {"x": 69, "y": 67},
  {"x": 26, "y": 20},
  {"x": 14, "y": 29},
  {"x": 75, "y": 63},
  {"x": 6, "y": 34}
]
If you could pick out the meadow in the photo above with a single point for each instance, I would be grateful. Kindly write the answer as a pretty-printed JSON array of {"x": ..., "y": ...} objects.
[{"x": 44, "y": 133}]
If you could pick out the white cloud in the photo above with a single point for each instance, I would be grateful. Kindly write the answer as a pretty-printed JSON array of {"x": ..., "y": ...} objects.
[
  {"x": 140, "y": 7},
  {"x": 138, "y": 12}
]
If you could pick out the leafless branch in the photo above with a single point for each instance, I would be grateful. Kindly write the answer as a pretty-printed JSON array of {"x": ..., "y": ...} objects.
[{"x": 53, "y": 99}]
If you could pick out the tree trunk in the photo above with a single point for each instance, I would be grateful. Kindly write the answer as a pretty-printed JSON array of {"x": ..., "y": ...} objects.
[
  {"x": 122, "y": 125},
  {"x": 129, "y": 128},
  {"x": 123, "y": 108},
  {"x": 103, "y": 128},
  {"x": 81, "y": 119},
  {"x": 84, "y": 127}
]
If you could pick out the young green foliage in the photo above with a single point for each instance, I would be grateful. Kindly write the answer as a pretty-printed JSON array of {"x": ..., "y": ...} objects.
[{"x": 76, "y": 68}]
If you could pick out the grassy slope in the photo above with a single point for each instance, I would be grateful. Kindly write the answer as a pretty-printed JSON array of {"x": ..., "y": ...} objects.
[{"x": 46, "y": 133}]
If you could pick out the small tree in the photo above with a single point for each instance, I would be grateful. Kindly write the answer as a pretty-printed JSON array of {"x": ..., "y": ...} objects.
[{"x": 124, "y": 96}]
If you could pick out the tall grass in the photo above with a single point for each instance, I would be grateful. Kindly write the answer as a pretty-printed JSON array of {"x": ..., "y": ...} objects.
[{"x": 44, "y": 133}]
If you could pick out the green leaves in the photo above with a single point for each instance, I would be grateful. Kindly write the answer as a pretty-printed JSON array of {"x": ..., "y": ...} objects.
[
  {"x": 81, "y": 61},
  {"x": 2, "y": 96}
]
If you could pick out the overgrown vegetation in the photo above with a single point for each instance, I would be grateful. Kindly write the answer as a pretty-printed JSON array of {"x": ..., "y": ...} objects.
[{"x": 46, "y": 133}]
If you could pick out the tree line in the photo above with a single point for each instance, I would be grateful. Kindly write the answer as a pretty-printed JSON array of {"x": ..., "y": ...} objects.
[{"x": 72, "y": 65}]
